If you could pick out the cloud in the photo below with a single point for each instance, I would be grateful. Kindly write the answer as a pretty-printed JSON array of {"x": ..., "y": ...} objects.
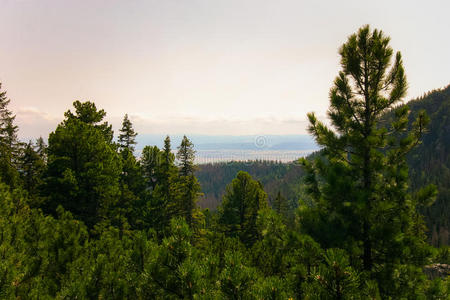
[{"x": 33, "y": 123}]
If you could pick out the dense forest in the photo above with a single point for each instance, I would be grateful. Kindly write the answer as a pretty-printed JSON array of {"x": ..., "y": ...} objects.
[{"x": 82, "y": 217}]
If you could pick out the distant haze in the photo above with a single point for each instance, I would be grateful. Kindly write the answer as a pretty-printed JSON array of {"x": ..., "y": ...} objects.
[
  {"x": 201, "y": 67},
  {"x": 212, "y": 149}
]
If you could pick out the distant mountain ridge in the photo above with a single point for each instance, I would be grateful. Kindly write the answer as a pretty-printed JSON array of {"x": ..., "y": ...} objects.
[
  {"x": 229, "y": 142},
  {"x": 429, "y": 163}
]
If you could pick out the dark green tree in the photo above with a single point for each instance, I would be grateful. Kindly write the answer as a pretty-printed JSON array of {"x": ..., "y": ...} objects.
[
  {"x": 189, "y": 188},
  {"x": 186, "y": 157},
  {"x": 151, "y": 161},
  {"x": 9, "y": 144},
  {"x": 41, "y": 149},
  {"x": 163, "y": 201},
  {"x": 31, "y": 167},
  {"x": 83, "y": 166},
  {"x": 360, "y": 188},
  {"x": 87, "y": 113},
  {"x": 127, "y": 136},
  {"x": 243, "y": 198},
  {"x": 280, "y": 205}
]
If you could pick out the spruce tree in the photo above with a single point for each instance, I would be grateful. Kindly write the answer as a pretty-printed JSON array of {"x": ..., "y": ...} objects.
[
  {"x": 189, "y": 186},
  {"x": 9, "y": 144},
  {"x": 186, "y": 156},
  {"x": 360, "y": 186},
  {"x": 127, "y": 136}
]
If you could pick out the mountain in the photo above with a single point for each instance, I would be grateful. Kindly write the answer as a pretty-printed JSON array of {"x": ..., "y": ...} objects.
[
  {"x": 429, "y": 162},
  {"x": 275, "y": 177},
  {"x": 230, "y": 142}
]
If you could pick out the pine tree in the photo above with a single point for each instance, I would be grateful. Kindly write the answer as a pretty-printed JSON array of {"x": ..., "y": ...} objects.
[
  {"x": 9, "y": 144},
  {"x": 83, "y": 166},
  {"x": 243, "y": 198},
  {"x": 364, "y": 197},
  {"x": 127, "y": 137},
  {"x": 87, "y": 113}
]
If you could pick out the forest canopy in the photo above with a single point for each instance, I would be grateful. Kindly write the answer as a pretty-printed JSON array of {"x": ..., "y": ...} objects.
[{"x": 84, "y": 217}]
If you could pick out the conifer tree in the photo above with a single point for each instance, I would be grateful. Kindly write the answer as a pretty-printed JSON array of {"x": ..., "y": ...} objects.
[
  {"x": 364, "y": 197},
  {"x": 83, "y": 166},
  {"x": 189, "y": 186},
  {"x": 186, "y": 156},
  {"x": 243, "y": 198},
  {"x": 280, "y": 205},
  {"x": 127, "y": 136},
  {"x": 88, "y": 113},
  {"x": 151, "y": 161},
  {"x": 9, "y": 144},
  {"x": 164, "y": 197},
  {"x": 31, "y": 166},
  {"x": 41, "y": 148}
]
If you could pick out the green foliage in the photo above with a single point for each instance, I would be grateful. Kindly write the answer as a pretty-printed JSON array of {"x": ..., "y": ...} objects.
[
  {"x": 240, "y": 205},
  {"x": 186, "y": 156},
  {"x": 31, "y": 167},
  {"x": 127, "y": 136},
  {"x": 360, "y": 188},
  {"x": 83, "y": 167},
  {"x": 9, "y": 145},
  {"x": 85, "y": 219}
]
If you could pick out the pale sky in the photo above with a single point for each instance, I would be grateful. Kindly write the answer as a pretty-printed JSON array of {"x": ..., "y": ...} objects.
[{"x": 202, "y": 66}]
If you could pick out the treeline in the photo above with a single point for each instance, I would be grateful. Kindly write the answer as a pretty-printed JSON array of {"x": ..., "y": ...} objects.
[
  {"x": 278, "y": 179},
  {"x": 84, "y": 218},
  {"x": 430, "y": 162}
]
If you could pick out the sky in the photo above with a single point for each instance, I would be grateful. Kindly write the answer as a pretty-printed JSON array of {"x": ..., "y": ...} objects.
[{"x": 231, "y": 67}]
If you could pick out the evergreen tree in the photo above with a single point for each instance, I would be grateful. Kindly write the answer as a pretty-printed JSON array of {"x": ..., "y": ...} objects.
[
  {"x": 151, "y": 162},
  {"x": 87, "y": 113},
  {"x": 83, "y": 166},
  {"x": 127, "y": 136},
  {"x": 364, "y": 199},
  {"x": 31, "y": 166},
  {"x": 238, "y": 212},
  {"x": 9, "y": 144},
  {"x": 186, "y": 157},
  {"x": 163, "y": 204},
  {"x": 280, "y": 205},
  {"x": 41, "y": 149},
  {"x": 189, "y": 186}
]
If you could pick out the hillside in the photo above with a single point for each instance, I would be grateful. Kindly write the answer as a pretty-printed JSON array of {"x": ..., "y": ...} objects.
[
  {"x": 275, "y": 177},
  {"x": 430, "y": 161},
  {"x": 429, "y": 164}
]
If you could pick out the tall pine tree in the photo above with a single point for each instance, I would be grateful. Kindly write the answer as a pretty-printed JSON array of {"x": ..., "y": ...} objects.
[
  {"x": 83, "y": 166},
  {"x": 360, "y": 188}
]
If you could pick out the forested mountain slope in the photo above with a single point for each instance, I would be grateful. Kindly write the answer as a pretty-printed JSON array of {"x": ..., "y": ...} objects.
[
  {"x": 429, "y": 162},
  {"x": 275, "y": 177}
]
